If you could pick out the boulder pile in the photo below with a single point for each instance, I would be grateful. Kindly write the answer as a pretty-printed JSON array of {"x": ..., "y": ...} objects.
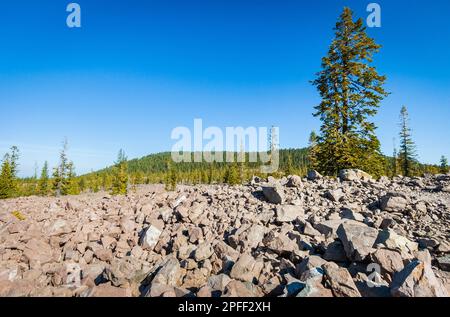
[{"x": 349, "y": 236}]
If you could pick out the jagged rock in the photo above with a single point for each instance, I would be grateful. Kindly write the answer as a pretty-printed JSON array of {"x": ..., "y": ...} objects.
[
  {"x": 444, "y": 262},
  {"x": 247, "y": 236},
  {"x": 289, "y": 213},
  {"x": 166, "y": 213},
  {"x": 313, "y": 175},
  {"x": 340, "y": 280},
  {"x": 445, "y": 189},
  {"x": 444, "y": 247},
  {"x": 390, "y": 261},
  {"x": 313, "y": 286},
  {"x": 218, "y": 282},
  {"x": 150, "y": 238},
  {"x": 203, "y": 251},
  {"x": 59, "y": 227},
  {"x": 274, "y": 194},
  {"x": 125, "y": 271},
  {"x": 280, "y": 244},
  {"x": 294, "y": 181},
  {"x": 335, "y": 252},
  {"x": 246, "y": 268},
  {"x": 102, "y": 254},
  {"x": 387, "y": 223},
  {"x": 170, "y": 273},
  {"x": 38, "y": 252},
  {"x": 417, "y": 280},
  {"x": 293, "y": 286},
  {"x": 195, "y": 278},
  {"x": 310, "y": 231},
  {"x": 329, "y": 227},
  {"x": 309, "y": 263},
  {"x": 358, "y": 240},
  {"x": 240, "y": 289},
  {"x": 354, "y": 174},
  {"x": 350, "y": 214},
  {"x": 427, "y": 243},
  {"x": 393, "y": 202},
  {"x": 334, "y": 195},
  {"x": 393, "y": 241}
]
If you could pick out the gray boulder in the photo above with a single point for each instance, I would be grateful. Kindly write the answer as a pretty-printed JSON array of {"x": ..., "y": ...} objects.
[
  {"x": 274, "y": 194},
  {"x": 357, "y": 239}
]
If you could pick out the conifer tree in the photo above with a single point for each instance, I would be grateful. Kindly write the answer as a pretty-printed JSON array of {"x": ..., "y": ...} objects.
[
  {"x": 95, "y": 183},
  {"x": 444, "y": 165},
  {"x": 43, "y": 187},
  {"x": 211, "y": 172},
  {"x": 351, "y": 90},
  {"x": 407, "y": 153},
  {"x": 172, "y": 177},
  {"x": 72, "y": 185},
  {"x": 61, "y": 171},
  {"x": 395, "y": 161},
  {"x": 6, "y": 178},
  {"x": 289, "y": 166},
  {"x": 120, "y": 175},
  {"x": 232, "y": 175},
  {"x": 14, "y": 160},
  {"x": 312, "y": 139},
  {"x": 8, "y": 174},
  {"x": 106, "y": 181}
]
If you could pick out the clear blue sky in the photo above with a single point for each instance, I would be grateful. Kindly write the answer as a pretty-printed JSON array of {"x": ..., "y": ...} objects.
[{"x": 137, "y": 69}]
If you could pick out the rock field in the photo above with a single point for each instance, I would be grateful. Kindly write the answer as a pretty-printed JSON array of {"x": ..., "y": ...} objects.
[{"x": 350, "y": 236}]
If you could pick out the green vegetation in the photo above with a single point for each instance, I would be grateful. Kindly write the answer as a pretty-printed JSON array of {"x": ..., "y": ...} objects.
[
  {"x": 172, "y": 176},
  {"x": 444, "y": 165},
  {"x": 43, "y": 184},
  {"x": 63, "y": 176},
  {"x": 8, "y": 174},
  {"x": 120, "y": 175},
  {"x": 407, "y": 155},
  {"x": 149, "y": 170},
  {"x": 351, "y": 91},
  {"x": 6, "y": 179}
]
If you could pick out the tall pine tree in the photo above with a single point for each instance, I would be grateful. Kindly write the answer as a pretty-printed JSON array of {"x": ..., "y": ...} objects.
[
  {"x": 351, "y": 90},
  {"x": 64, "y": 178},
  {"x": 73, "y": 186},
  {"x": 289, "y": 166},
  {"x": 6, "y": 178},
  {"x": 407, "y": 153},
  {"x": 43, "y": 187},
  {"x": 120, "y": 175},
  {"x": 394, "y": 161},
  {"x": 8, "y": 174},
  {"x": 232, "y": 175}
]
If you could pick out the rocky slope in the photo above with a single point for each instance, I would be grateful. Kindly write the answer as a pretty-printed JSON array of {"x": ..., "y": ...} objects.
[{"x": 351, "y": 236}]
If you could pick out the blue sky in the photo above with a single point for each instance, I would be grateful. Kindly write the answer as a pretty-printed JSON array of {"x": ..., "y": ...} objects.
[{"x": 138, "y": 69}]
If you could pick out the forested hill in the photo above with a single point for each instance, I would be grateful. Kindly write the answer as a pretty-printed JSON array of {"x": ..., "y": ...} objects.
[
  {"x": 157, "y": 168},
  {"x": 291, "y": 161},
  {"x": 155, "y": 163}
]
